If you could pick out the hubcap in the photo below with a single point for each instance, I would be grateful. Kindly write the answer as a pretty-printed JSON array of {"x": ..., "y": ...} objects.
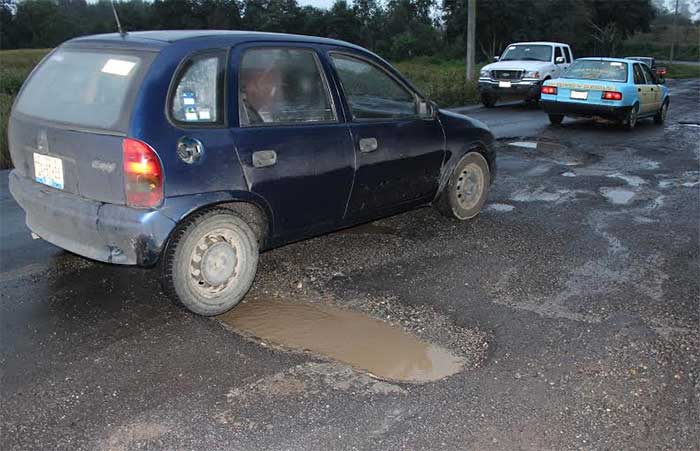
[
  {"x": 214, "y": 262},
  {"x": 470, "y": 186}
]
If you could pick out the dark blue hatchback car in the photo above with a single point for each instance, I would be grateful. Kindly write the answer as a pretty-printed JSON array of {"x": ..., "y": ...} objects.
[{"x": 193, "y": 150}]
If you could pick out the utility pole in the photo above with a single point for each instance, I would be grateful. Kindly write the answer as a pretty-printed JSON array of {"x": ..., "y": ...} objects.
[
  {"x": 673, "y": 32},
  {"x": 471, "y": 37}
]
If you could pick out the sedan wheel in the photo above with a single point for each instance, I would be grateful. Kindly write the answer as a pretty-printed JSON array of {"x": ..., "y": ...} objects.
[
  {"x": 660, "y": 117},
  {"x": 468, "y": 188},
  {"x": 631, "y": 119}
]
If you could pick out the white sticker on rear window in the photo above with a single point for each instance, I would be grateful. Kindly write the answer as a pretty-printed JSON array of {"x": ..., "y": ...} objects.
[
  {"x": 204, "y": 115},
  {"x": 511, "y": 48},
  {"x": 118, "y": 67},
  {"x": 616, "y": 64}
]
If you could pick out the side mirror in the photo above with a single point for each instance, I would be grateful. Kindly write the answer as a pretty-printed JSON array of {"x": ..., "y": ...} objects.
[
  {"x": 496, "y": 58},
  {"x": 427, "y": 109},
  {"x": 559, "y": 60}
]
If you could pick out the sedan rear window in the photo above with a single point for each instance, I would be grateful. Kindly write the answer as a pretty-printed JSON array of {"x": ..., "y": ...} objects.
[
  {"x": 90, "y": 89},
  {"x": 597, "y": 70}
]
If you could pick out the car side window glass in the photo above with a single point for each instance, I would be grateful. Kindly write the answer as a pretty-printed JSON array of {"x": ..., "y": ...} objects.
[
  {"x": 282, "y": 86},
  {"x": 371, "y": 93},
  {"x": 567, "y": 54},
  {"x": 198, "y": 96},
  {"x": 639, "y": 75},
  {"x": 557, "y": 53},
  {"x": 651, "y": 79}
]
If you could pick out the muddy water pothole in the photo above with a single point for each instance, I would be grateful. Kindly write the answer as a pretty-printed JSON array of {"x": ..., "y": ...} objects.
[{"x": 367, "y": 344}]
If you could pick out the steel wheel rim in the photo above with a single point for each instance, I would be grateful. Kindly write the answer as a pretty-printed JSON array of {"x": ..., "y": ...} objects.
[
  {"x": 214, "y": 263},
  {"x": 470, "y": 186},
  {"x": 633, "y": 117},
  {"x": 664, "y": 111}
]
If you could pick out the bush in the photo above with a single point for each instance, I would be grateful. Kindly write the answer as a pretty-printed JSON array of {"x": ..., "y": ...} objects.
[
  {"x": 5, "y": 105},
  {"x": 444, "y": 82}
]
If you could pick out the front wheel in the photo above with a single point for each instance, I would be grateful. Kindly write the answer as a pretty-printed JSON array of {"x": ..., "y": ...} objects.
[
  {"x": 556, "y": 119},
  {"x": 488, "y": 100},
  {"x": 210, "y": 262},
  {"x": 660, "y": 117},
  {"x": 468, "y": 188}
]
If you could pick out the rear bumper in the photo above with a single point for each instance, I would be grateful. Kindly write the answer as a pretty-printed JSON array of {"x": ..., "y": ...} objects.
[
  {"x": 105, "y": 232},
  {"x": 613, "y": 112},
  {"x": 518, "y": 88}
]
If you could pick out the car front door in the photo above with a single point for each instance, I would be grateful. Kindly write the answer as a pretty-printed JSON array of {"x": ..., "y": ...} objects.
[
  {"x": 646, "y": 99},
  {"x": 291, "y": 139},
  {"x": 398, "y": 152}
]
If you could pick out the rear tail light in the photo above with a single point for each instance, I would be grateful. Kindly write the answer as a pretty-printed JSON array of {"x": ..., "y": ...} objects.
[
  {"x": 611, "y": 95},
  {"x": 661, "y": 71},
  {"x": 549, "y": 90},
  {"x": 143, "y": 174}
]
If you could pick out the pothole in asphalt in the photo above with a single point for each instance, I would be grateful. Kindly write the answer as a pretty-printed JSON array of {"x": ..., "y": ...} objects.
[
  {"x": 618, "y": 196},
  {"x": 383, "y": 351},
  {"x": 555, "y": 152}
]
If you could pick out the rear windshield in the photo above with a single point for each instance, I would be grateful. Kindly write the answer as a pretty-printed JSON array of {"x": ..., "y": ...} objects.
[
  {"x": 91, "y": 89},
  {"x": 597, "y": 70}
]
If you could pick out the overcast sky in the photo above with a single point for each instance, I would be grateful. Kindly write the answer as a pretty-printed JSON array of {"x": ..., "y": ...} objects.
[{"x": 317, "y": 3}]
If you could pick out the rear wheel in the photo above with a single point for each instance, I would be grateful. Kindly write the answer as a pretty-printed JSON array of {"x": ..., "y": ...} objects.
[
  {"x": 556, "y": 119},
  {"x": 631, "y": 120},
  {"x": 488, "y": 100},
  {"x": 660, "y": 117},
  {"x": 468, "y": 188},
  {"x": 210, "y": 262}
]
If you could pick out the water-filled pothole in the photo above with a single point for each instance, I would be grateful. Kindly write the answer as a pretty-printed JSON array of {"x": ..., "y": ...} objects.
[{"x": 358, "y": 340}]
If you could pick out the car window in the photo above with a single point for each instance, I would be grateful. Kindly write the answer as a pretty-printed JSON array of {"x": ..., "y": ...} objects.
[
  {"x": 371, "y": 93},
  {"x": 87, "y": 88},
  {"x": 198, "y": 96},
  {"x": 282, "y": 86},
  {"x": 557, "y": 53},
  {"x": 639, "y": 75},
  {"x": 651, "y": 79},
  {"x": 567, "y": 54},
  {"x": 523, "y": 52},
  {"x": 597, "y": 70}
]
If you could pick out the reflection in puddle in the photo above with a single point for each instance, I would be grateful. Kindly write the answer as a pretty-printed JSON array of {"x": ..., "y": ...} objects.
[{"x": 353, "y": 338}]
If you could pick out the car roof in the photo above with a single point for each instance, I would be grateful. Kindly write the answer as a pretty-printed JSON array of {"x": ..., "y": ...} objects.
[
  {"x": 539, "y": 43},
  {"x": 162, "y": 38}
]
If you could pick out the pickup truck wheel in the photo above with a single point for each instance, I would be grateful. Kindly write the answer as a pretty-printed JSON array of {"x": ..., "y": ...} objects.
[
  {"x": 210, "y": 262},
  {"x": 660, "y": 117},
  {"x": 488, "y": 100},
  {"x": 556, "y": 119},
  {"x": 468, "y": 188}
]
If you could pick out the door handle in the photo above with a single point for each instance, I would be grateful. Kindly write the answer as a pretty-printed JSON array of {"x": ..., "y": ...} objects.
[
  {"x": 368, "y": 145},
  {"x": 264, "y": 158}
]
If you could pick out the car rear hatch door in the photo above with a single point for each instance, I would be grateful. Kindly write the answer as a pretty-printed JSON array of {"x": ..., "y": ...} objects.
[{"x": 69, "y": 121}]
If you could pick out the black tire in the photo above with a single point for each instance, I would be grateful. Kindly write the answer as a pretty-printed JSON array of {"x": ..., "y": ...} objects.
[
  {"x": 488, "y": 100},
  {"x": 474, "y": 170},
  {"x": 209, "y": 283},
  {"x": 631, "y": 120},
  {"x": 556, "y": 119},
  {"x": 660, "y": 117}
]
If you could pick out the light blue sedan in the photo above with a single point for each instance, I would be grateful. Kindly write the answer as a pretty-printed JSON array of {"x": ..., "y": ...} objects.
[{"x": 612, "y": 88}]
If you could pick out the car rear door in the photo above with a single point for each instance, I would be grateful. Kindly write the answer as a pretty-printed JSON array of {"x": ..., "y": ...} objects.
[
  {"x": 293, "y": 145},
  {"x": 644, "y": 91},
  {"x": 655, "y": 87},
  {"x": 398, "y": 152}
]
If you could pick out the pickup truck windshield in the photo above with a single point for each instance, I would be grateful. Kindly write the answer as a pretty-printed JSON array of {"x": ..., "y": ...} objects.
[
  {"x": 528, "y": 53},
  {"x": 597, "y": 70},
  {"x": 87, "y": 88}
]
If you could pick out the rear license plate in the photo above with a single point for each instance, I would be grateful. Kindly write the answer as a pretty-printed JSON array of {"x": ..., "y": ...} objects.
[
  {"x": 504, "y": 84},
  {"x": 580, "y": 95},
  {"x": 48, "y": 170}
]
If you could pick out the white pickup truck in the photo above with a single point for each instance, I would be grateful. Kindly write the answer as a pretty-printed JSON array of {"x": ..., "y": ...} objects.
[{"x": 520, "y": 71}]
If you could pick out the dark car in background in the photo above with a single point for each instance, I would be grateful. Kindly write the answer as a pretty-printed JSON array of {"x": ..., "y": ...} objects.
[
  {"x": 194, "y": 150},
  {"x": 651, "y": 62}
]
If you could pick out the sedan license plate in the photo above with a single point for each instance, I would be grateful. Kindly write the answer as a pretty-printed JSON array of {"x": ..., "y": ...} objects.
[
  {"x": 580, "y": 95},
  {"x": 504, "y": 84},
  {"x": 48, "y": 170}
]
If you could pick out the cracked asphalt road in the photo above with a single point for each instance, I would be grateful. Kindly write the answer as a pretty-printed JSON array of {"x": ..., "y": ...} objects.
[{"x": 582, "y": 272}]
